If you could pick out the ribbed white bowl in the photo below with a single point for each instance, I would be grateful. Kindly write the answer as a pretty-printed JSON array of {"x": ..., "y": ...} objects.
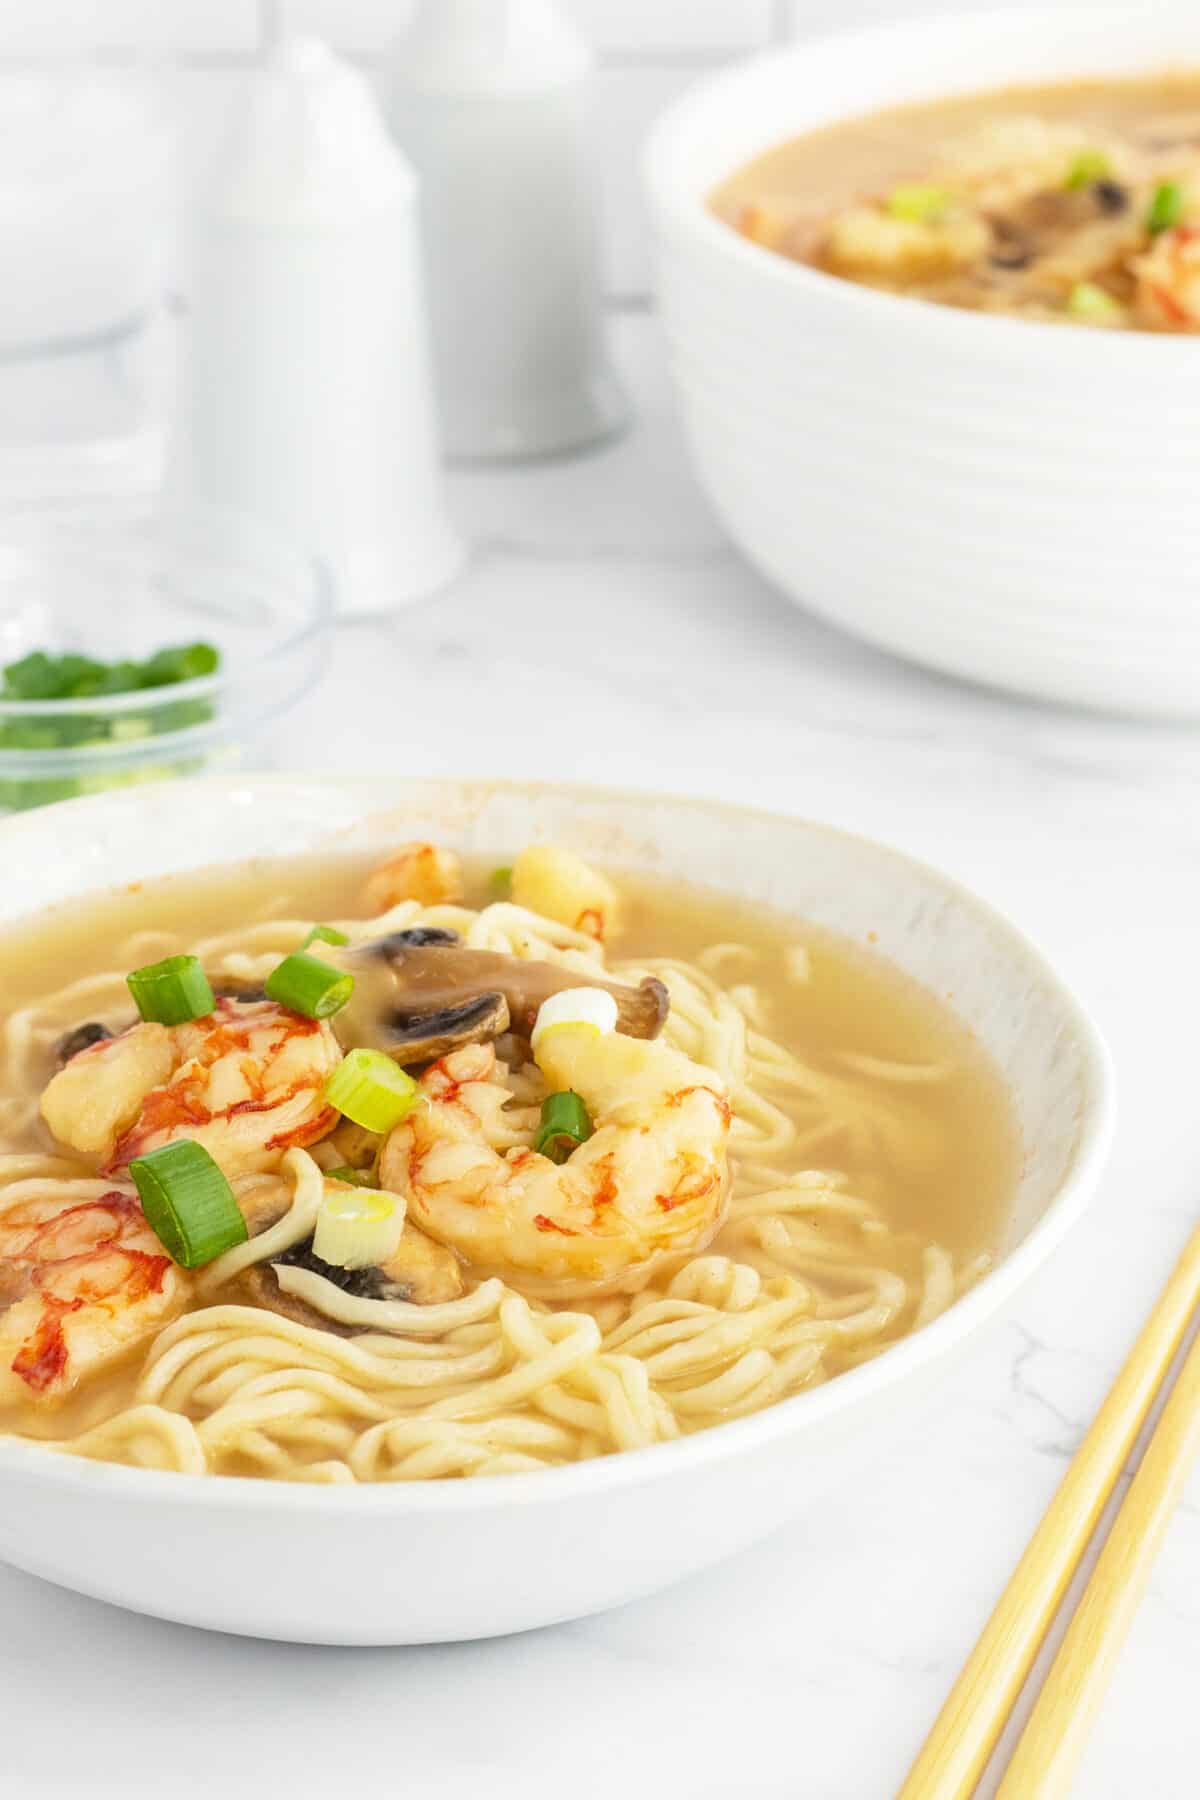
[
  {"x": 1014, "y": 502},
  {"x": 430, "y": 1560}
]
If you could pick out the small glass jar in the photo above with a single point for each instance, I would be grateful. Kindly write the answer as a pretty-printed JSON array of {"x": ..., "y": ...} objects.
[{"x": 86, "y": 221}]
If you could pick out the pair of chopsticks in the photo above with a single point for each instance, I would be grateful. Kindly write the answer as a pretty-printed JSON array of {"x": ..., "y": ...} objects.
[{"x": 1048, "y": 1751}]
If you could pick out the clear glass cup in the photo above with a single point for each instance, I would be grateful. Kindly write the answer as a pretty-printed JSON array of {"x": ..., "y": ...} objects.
[
  {"x": 87, "y": 221},
  {"x": 123, "y": 584}
]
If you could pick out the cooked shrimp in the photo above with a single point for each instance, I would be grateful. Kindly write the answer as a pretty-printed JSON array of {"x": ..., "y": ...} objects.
[
  {"x": 559, "y": 885},
  {"x": 415, "y": 872},
  {"x": 97, "y": 1095},
  {"x": 82, "y": 1279},
  {"x": 768, "y": 222},
  {"x": 650, "y": 1182},
  {"x": 1168, "y": 280},
  {"x": 246, "y": 1082},
  {"x": 871, "y": 245}
]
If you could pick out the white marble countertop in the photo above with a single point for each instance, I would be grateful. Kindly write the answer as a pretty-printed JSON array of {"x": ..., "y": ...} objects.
[{"x": 606, "y": 632}]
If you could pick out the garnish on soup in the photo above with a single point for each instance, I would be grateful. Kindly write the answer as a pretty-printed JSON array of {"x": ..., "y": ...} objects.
[
  {"x": 1077, "y": 203},
  {"x": 453, "y": 1183}
]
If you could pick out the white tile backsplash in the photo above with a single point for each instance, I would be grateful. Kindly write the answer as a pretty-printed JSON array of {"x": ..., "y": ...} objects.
[
  {"x": 684, "y": 27},
  {"x": 650, "y": 50},
  {"x": 362, "y": 26},
  {"x": 57, "y": 27},
  {"x": 200, "y": 101},
  {"x": 627, "y": 103},
  {"x": 814, "y": 18}
]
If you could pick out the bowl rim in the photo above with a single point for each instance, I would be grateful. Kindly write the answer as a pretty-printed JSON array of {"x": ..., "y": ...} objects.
[
  {"x": 685, "y": 205},
  {"x": 716, "y": 1443}
]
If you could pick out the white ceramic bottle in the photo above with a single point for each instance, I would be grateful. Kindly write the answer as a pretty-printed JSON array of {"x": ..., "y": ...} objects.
[
  {"x": 310, "y": 396},
  {"x": 489, "y": 100}
]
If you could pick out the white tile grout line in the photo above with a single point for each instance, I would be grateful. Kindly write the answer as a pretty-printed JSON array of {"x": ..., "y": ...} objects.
[
  {"x": 617, "y": 300},
  {"x": 270, "y": 14},
  {"x": 270, "y": 23},
  {"x": 270, "y": 19}
]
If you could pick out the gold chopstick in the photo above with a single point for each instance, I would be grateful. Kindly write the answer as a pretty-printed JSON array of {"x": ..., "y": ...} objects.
[
  {"x": 1050, "y": 1746},
  {"x": 965, "y": 1731}
]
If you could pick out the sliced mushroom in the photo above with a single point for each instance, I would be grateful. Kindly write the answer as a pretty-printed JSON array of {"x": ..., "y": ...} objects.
[
  {"x": 415, "y": 1037},
  {"x": 233, "y": 987},
  {"x": 352, "y": 1146},
  {"x": 421, "y": 993},
  {"x": 82, "y": 1037},
  {"x": 1011, "y": 248},
  {"x": 418, "y": 1270},
  {"x": 260, "y": 1287},
  {"x": 421, "y": 1271},
  {"x": 418, "y": 936},
  {"x": 1050, "y": 211},
  {"x": 1038, "y": 222},
  {"x": 262, "y": 1201}
]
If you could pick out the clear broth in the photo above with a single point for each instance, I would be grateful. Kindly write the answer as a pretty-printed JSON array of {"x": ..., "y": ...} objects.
[
  {"x": 836, "y": 164},
  {"x": 852, "y": 1002},
  {"x": 805, "y": 181}
]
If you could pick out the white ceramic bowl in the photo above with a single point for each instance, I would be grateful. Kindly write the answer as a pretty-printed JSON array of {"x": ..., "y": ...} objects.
[
  {"x": 444, "y": 1559},
  {"x": 1010, "y": 501}
]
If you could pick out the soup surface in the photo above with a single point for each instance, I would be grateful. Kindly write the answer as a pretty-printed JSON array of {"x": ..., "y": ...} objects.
[
  {"x": 801, "y": 1161},
  {"x": 1078, "y": 202}
]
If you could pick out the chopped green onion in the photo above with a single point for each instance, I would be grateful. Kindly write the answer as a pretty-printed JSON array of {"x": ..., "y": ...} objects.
[
  {"x": 593, "y": 1008},
  {"x": 1166, "y": 208},
  {"x": 179, "y": 662},
  {"x": 363, "y": 1178},
  {"x": 357, "y": 1229},
  {"x": 188, "y": 1203},
  {"x": 1088, "y": 166},
  {"x": 923, "y": 205},
  {"x": 370, "y": 1089},
  {"x": 43, "y": 676},
  {"x": 565, "y": 1125},
  {"x": 306, "y": 985},
  {"x": 47, "y": 676},
  {"x": 127, "y": 731},
  {"x": 1092, "y": 305},
  {"x": 500, "y": 882},
  {"x": 173, "y": 991},
  {"x": 325, "y": 934}
]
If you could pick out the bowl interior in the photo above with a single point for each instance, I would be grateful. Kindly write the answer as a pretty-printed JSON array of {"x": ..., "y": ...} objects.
[
  {"x": 1046, "y": 1051},
  {"x": 726, "y": 121}
]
